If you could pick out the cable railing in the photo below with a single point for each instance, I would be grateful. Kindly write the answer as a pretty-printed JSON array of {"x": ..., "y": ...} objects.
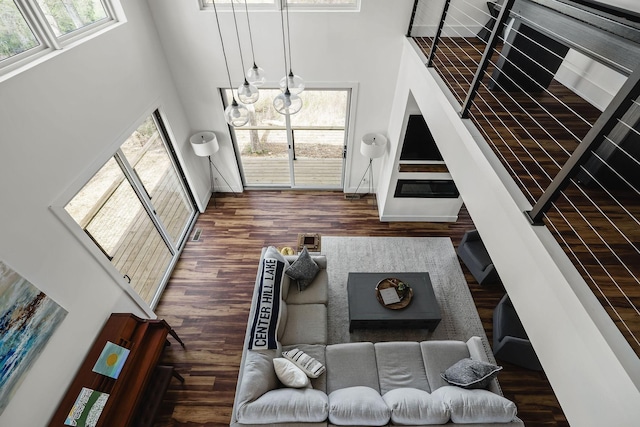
[{"x": 553, "y": 87}]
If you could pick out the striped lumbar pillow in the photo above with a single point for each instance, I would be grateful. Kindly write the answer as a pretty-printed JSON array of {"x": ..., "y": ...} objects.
[{"x": 308, "y": 364}]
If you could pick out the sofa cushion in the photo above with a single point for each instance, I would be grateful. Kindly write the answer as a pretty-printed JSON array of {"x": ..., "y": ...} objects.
[
  {"x": 438, "y": 356},
  {"x": 316, "y": 293},
  {"x": 310, "y": 366},
  {"x": 350, "y": 365},
  {"x": 258, "y": 375},
  {"x": 469, "y": 373},
  {"x": 400, "y": 365},
  {"x": 282, "y": 321},
  {"x": 358, "y": 406},
  {"x": 286, "y": 405},
  {"x": 476, "y": 406},
  {"x": 289, "y": 374},
  {"x": 317, "y": 352},
  {"x": 304, "y": 269},
  {"x": 306, "y": 324},
  {"x": 411, "y": 406}
]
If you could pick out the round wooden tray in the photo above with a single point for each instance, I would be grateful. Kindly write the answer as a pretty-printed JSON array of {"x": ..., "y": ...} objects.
[{"x": 391, "y": 282}]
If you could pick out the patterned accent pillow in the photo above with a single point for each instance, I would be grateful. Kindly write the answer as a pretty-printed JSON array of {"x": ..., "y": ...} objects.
[
  {"x": 308, "y": 364},
  {"x": 304, "y": 269},
  {"x": 469, "y": 373}
]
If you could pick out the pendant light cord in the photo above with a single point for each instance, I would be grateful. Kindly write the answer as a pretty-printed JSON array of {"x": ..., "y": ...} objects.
[
  {"x": 223, "y": 52},
  {"x": 253, "y": 55},
  {"x": 235, "y": 22},
  {"x": 288, "y": 36},
  {"x": 285, "y": 51}
]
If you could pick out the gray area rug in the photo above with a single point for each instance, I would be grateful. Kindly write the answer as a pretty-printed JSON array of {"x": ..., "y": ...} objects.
[{"x": 436, "y": 255}]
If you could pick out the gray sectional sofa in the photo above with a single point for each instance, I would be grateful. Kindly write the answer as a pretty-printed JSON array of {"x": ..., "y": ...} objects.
[{"x": 367, "y": 384}]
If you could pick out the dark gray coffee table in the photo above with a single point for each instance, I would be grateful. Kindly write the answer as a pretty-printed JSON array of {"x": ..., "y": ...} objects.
[{"x": 365, "y": 312}]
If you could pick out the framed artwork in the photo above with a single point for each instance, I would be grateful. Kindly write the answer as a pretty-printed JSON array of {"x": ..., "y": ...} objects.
[{"x": 28, "y": 318}]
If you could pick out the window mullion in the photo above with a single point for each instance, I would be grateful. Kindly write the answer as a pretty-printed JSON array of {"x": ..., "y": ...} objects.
[{"x": 39, "y": 24}]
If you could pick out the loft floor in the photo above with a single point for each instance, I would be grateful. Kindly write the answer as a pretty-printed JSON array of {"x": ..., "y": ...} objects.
[{"x": 208, "y": 296}]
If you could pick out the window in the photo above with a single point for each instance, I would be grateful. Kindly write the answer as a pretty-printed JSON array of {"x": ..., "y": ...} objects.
[
  {"x": 305, "y": 150},
  {"x": 67, "y": 16},
  {"x": 16, "y": 36},
  {"x": 276, "y": 4},
  {"x": 28, "y": 27},
  {"x": 138, "y": 210}
]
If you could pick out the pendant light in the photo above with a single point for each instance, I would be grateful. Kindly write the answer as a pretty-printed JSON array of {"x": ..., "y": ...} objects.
[
  {"x": 247, "y": 92},
  {"x": 235, "y": 114},
  {"x": 286, "y": 102},
  {"x": 255, "y": 74},
  {"x": 291, "y": 81}
]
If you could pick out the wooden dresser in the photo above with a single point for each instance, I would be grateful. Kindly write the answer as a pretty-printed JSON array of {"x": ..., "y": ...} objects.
[{"x": 141, "y": 384}]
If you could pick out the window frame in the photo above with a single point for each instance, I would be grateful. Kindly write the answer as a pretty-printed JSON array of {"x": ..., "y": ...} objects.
[
  {"x": 49, "y": 43},
  {"x": 276, "y": 5}
]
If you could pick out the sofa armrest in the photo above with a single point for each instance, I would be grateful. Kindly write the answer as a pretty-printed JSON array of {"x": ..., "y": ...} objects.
[
  {"x": 470, "y": 236},
  {"x": 286, "y": 405},
  {"x": 477, "y": 351}
]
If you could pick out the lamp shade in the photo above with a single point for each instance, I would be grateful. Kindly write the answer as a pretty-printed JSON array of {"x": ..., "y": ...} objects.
[
  {"x": 373, "y": 145},
  {"x": 204, "y": 144}
]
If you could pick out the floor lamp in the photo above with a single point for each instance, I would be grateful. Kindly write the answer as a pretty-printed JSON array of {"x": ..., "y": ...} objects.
[
  {"x": 373, "y": 145},
  {"x": 205, "y": 144}
]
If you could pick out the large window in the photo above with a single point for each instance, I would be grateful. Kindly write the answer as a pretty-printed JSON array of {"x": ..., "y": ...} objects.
[
  {"x": 29, "y": 27},
  {"x": 305, "y": 150},
  {"x": 137, "y": 210}
]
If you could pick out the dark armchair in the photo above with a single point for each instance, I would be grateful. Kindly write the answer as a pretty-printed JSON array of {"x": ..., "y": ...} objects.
[
  {"x": 510, "y": 341},
  {"x": 475, "y": 256}
]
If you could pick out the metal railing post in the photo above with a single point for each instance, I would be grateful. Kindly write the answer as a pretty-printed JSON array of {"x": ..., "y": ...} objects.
[
  {"x": 620, "y": 104},
  {"x": 501, "y": 19},
  {"x": 413, "y": 16},
  {"x": 434, "y": 45}
]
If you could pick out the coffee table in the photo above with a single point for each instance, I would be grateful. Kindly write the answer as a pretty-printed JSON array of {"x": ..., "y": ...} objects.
[{"x": 366, "y": 312}]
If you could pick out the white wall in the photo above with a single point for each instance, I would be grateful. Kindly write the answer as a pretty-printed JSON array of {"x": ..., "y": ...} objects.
[
  {"x": 465, "y": 18},
  {"x": 591, "y": 80},
  {"x": 409, "y": 209},
  {"x": 56, "y": 120},
  {"x": 329, "y": 49},
  {"x": 592, "y": 369}
]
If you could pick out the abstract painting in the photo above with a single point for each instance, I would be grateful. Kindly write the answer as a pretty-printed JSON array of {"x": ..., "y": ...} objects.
[{"x": 28, "y": 318}]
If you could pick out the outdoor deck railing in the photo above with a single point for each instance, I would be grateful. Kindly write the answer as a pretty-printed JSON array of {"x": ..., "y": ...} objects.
[{"x": 553, "y": 86}]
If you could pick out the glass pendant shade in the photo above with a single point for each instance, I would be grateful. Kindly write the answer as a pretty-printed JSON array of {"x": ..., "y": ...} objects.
[
  {"x": 256, "y": 75},
  {"x": 248, "y": 93},
  {"x": 293, "y": 82},
  {"x": 287, "y": 103},
  {"x": 236, "y": 114}
]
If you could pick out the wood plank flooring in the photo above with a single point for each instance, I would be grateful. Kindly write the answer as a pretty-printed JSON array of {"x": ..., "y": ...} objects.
[
  {"x": 208, "y": 296},
  {"x": 533, "y": 135}
]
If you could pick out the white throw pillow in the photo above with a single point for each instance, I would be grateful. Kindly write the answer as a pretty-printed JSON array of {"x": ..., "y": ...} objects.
[
  {"x": 289, "y": 374},
  {"x": 412, "y": 406},
  {"x": 476, "y": 405},
  {"x": 358, "y": 406}
]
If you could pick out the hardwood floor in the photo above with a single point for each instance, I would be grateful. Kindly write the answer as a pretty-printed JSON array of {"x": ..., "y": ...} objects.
[{"x": 208, "y": 296}]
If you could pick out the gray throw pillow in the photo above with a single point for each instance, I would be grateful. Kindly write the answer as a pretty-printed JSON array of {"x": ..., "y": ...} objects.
[
  {"x": 469, "y": 373},
  {"x": 304, "y": 269}
]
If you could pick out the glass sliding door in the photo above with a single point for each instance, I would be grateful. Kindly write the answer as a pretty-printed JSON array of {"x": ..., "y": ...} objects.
[
  {"x": 318, "y": 134},
  {"x": 305, "y": 150},
  {"x": 147, "y": 155},
  {"x": 137, "y": 210}
]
